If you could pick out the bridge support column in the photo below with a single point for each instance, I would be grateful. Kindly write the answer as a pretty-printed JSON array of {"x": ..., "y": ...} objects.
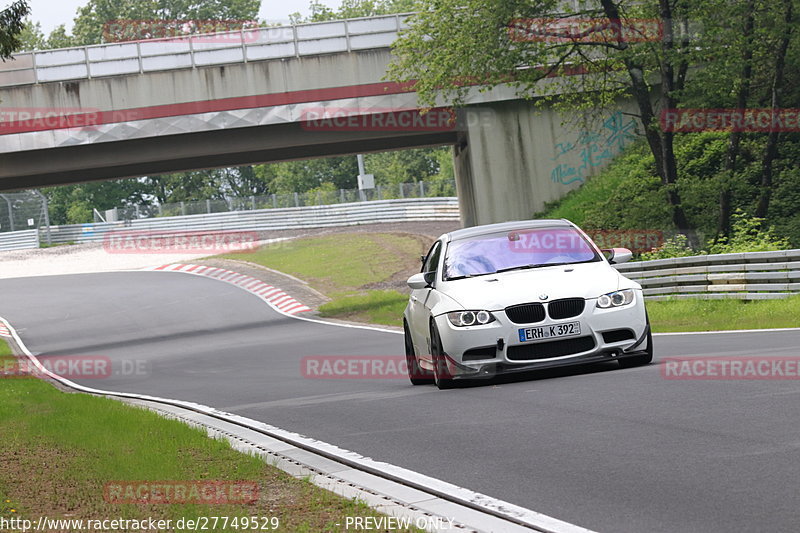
[
  {"x": 514, "y": 157},
  {"x": 465, "y": 183}
]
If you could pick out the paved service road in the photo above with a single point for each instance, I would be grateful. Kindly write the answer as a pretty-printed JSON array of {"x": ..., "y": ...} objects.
[{"x": 620, "y": 450}]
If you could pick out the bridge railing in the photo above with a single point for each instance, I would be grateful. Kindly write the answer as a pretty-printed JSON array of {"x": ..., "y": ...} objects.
[{"x": 199, "y": 50}]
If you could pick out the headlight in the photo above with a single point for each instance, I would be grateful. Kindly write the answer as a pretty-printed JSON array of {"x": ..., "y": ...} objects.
[
  {"x": 470, "y": 318},
  {"x": 615, "y": 299}
]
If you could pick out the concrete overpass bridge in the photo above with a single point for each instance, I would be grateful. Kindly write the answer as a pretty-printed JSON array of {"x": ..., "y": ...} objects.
[{"x": 137, "y": 108}]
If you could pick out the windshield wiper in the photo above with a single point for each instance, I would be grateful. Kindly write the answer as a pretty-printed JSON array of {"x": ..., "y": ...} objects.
[
  {"x": 542, "y": 265},
  {"x": 520, "y": 267},
  {"x": 465, "y": 276},
  {"x": 527, "y": 267}
]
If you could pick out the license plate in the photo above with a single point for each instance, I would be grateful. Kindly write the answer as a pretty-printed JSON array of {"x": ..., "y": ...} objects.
[{"x": 548, "y": 332}]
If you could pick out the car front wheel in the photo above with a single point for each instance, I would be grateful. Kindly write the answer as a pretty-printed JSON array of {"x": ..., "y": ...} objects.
[
  {"x": 640, "y": 360},
  {"x": 416, "y": 374},
  {"x": 441, "y": 375}
]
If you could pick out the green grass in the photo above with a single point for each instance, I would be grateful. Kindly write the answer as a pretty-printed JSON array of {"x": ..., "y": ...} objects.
[
  {"x": 625, "y": 195},
  {"x": 352, "y": 269},
  {"x": 628, "y": 194},
  {"x": 595, "y": 192},
  {"x": 340, "y": 262},
  {"x": 59, "y": 450},
  {"x": 343, "y": 266},
  {"x": 45, "y": 245},
  {"x": 386, "y": 307},
  {"x": 712, "y": 315},
  {"x": 374, "y": 307}
]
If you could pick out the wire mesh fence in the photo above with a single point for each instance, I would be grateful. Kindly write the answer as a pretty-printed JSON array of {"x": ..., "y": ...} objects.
[
  {"x": 22, "y": 211},
  {"x": 420, "y": 189}
]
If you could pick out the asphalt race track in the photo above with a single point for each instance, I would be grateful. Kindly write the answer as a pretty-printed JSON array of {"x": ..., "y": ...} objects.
[{"x": 611, "y": 450}]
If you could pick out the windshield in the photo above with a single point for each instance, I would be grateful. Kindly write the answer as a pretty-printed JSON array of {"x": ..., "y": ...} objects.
[{"x": 519, "y": 249}]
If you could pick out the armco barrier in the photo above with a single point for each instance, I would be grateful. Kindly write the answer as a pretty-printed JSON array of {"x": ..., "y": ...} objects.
[
  {"x": 748, "y": 276},
  {"x": 408, "y": 210},
  {"x": 19, "y": 240}
]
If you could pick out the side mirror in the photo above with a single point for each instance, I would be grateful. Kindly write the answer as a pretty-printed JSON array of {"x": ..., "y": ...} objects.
[
  {"x": 422, "y": 259},
  {"x": 421, "y": 281},
  {"x": 616, "y": 256}
]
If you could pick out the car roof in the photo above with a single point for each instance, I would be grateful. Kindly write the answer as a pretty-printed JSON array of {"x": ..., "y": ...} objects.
[{"x": 507, "y": 226}]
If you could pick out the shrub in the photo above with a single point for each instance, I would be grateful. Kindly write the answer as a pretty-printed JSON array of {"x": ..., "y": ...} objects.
[
  {"x": 677, "y": 246},
  {"x": 629, "y": 195},
  {"x": 749, "y": 234}
]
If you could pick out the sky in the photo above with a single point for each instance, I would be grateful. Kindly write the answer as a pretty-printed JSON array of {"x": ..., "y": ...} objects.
[{"x": 51, "y": 13}]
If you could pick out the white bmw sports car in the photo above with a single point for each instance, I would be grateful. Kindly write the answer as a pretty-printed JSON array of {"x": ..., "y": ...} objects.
[{"x": 521, "y": 296}]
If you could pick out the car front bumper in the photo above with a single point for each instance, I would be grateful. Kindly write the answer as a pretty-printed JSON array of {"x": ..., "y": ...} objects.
[{"x": 495, "y": 348}]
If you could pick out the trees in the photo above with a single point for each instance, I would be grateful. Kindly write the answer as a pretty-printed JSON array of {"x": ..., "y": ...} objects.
[
  {"x": 742, "y": 90},
  {"x": 389, "y": 168},
  {"x": 786, "y": 25},
  {"x": 31, "y": 37},
  {"x": 92, "y": 18},
  {"x": 640, "y": 49},
  {"x": 73, "y": 203},
  {"x": 712, "y": 54},
  {"x": 751, "y": 71},
  {"x": 357, "y": 8},
  {"x": 12, "y": 23}
]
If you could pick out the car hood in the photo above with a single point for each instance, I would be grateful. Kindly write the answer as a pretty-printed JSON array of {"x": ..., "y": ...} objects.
[{"x": 497, "y": 291}]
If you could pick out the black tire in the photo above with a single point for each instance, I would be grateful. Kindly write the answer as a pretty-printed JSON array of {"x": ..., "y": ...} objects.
[
  {"x": 441, "y": 375},
  {"x": 416, "y": 374},
  {"x": 640, "y": 360}
]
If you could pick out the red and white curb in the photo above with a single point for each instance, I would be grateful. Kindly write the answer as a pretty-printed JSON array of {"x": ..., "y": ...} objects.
[
  {"x": 4, "y": 332},
  {"x": 276, "y": 298}
]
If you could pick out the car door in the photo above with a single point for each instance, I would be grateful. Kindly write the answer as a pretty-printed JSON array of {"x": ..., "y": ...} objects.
[{"x": 419, "y": 313}]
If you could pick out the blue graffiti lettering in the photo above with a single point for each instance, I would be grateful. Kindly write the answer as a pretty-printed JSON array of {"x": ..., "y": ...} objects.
[{"x": 595, "y": 148}]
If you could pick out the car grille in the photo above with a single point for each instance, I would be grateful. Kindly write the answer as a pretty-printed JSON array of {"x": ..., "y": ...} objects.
[
  {"x": 566, "y": 308},
  {"x": 525, "y": 313},
  {"x": 617, "y": 335},
  {"x": 545, "y": 350}
]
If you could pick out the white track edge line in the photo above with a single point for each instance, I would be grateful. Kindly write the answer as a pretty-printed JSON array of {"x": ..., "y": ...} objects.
[
  {"x": 378, "y": 328},
  {"x": 307, "y": 319},
  {"x": 457, "y": 494},
  {"x": 724, "y": 331}
]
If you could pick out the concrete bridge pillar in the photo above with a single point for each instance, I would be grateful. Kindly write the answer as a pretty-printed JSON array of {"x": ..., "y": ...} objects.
[{"x": 514, "y": 157}]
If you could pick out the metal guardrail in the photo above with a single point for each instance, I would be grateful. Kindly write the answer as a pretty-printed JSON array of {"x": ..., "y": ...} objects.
[
  {"x": 747, "y": 276},
  {"x": 408, "y": 210},
  {"x": 199, "y": 50},
  {"x": 419, "y": 189},
  {"x": 19, "y": 240}
]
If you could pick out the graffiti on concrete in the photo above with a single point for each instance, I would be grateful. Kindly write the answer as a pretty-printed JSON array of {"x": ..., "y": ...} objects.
[{"x": 596, "y": 148}]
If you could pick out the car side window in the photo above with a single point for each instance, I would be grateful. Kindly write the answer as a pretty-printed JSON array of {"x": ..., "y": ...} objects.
[{"x": 432, "y": 260}]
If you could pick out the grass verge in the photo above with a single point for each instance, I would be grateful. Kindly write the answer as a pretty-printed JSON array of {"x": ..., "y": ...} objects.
[
  {"x": 373, "y": 307},
  {"x": 712, "y": 315},
  {"x": 353, "y": 269},
  {"x": 60, "y": 450},
  {"x": 360, "y": 272},
  {"x": 341, "y": 262}
]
